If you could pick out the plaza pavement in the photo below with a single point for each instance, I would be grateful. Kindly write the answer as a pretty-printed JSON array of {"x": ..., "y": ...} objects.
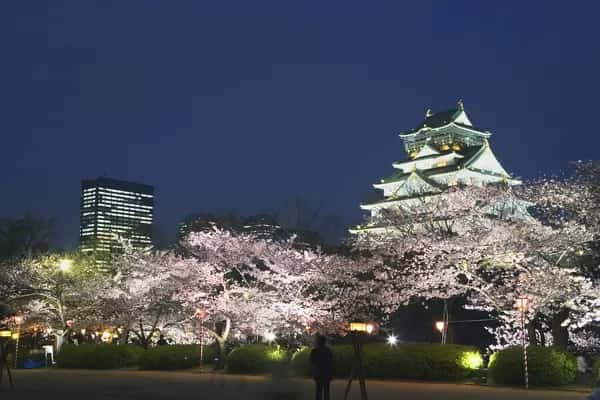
[{"x": 63, "y": 384}]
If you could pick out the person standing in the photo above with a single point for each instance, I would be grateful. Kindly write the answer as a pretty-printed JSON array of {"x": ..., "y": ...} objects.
[
  {"x": 321, "y": 361},
  {"x": 161, "y": 341}
]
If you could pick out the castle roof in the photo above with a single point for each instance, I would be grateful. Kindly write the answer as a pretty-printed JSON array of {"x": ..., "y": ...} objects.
[{"x": 455, "y": 116}]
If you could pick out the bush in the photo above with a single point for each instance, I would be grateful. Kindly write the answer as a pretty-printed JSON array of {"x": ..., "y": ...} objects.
[
  {"x": 596, "y": 371},
  {"x": 98, "y": 356},
  {"x": 547, "y": 366},
  {"x": 256, "y": 359},
  {"x": 405, "y": 361},
  {"x": 177, "y": 356}
]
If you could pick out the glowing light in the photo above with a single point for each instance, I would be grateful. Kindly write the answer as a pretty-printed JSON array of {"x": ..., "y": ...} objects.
[
  {"x": 358, "y": 327},
  {"x": 471, "y": 360},
  {"x": 106, "y": 336},
  {"x": 392, "y": 340},
  {"x": 15, "y": 336},
  {"x": 65, "y": 264},
  {"x": 5, "y": 333},
  {"x": 440, "y": 325},
  {"x": 276, "y": 355},
  {"x": 270, "y": 337},
  {"x": 83, "y": 331},
  {"x": 522, "y": 304},
  {"x": 18, "y": 319},
  {"x": 366, "y": 327}
]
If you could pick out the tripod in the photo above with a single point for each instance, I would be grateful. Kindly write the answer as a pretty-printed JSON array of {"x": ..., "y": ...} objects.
[
  {"x": 4, "y": 345},
  {"x": 357, "y": 367}
]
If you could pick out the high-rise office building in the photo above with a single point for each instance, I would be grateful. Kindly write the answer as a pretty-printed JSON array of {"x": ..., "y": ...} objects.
[{"x": 112, "y": 210}]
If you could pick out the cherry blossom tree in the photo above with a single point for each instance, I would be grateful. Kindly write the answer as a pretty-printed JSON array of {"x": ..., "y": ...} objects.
[
  {"x": 140, "y": 297},
  {"x": 53, "y": 290},
  {"x": 247, "y": 286},
  {"x": 562, "y": 204},
  {"x": 481, "y": 242},
  {"x": 240, "y": 285}
]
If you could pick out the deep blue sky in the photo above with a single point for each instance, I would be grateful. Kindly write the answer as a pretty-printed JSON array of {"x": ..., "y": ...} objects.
[{"x": 241, "y": 106}]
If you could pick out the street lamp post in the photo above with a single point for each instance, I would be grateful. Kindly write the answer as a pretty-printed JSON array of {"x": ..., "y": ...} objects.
[
  {"x": 201, "y": 314},
  {"x": 523, "y": 306},
  {"x": 64, "y": 265},
  {"x": 441, "y": 327},
  {"x": 18, "y": 322}
]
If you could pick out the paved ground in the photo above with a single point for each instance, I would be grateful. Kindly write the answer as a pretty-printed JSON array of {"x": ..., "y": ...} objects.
[{"x": 131, "y": 385}]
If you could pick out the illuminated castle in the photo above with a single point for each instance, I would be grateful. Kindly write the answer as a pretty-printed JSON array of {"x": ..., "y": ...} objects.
[{"x": 443, "y": 150}]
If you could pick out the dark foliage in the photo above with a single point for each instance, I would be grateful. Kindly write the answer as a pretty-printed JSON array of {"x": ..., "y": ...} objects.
[
  {"x": 404, "y": 361},
  {"x": 98, "y": 356},
  {"x": 547, "y": 366}
]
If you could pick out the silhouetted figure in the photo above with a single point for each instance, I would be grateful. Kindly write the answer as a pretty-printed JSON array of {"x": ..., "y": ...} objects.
[
  {"x": 161, "y": 341},
  {"x": 321, "y": 360}
]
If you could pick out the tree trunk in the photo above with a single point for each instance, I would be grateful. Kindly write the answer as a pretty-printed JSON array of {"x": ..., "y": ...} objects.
[
  {"x": 59, "y": 342},
  {"x": 221, "y": 341},
  {"x": 560, "y": 334},
  {"x": 450, "y": 328}
]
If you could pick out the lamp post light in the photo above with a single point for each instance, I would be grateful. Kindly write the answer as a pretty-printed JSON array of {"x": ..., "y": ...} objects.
[
  {"x": 392, "y": 340},
  {"x": 64, "y": 264},
  {"x": 522, "y": 304}
]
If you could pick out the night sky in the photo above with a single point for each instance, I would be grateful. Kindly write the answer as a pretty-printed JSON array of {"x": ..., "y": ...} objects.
[{"x": 242, "y": 106}]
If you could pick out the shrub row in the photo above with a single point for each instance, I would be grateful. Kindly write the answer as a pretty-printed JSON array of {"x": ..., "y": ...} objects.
[
  {"x": 98, "y": 356},
  {"x": 547, "y": 366},
  {"x": 256, "y": 359},
  {"x": 406, "y": 361},
  {"x": 175, "y": 357},
  {"x": 596, "y": 371},
  {"x": 106, "y": 356}
]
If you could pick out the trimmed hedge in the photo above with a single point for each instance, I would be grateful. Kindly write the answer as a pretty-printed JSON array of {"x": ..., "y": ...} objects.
[
  {"x": 596, "y": 371},
  {"x": 547, "y": 366},
  {"x": 98, "y": 356},
  {"x": 256, "y": 359},
  {"x": 177, "y": 356},
  {"x": 404, "y": 361}
]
